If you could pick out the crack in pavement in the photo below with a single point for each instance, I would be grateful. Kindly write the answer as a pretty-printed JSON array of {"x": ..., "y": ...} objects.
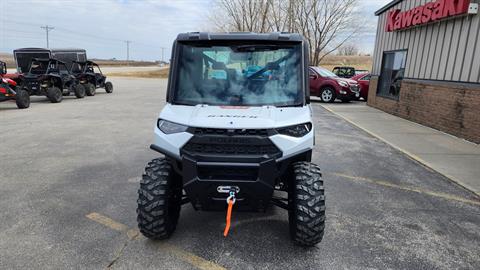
[{"x": 134, "y": 234}]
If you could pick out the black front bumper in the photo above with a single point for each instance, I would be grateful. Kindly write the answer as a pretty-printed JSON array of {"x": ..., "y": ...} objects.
[
  {"x": 255, "y": 178},
  {"x": 33, "y": 86},
  {"x": 254, "y": 182}
]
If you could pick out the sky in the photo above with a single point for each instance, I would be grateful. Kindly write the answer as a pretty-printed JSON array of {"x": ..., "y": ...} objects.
[{"x": 102, "y": 27}]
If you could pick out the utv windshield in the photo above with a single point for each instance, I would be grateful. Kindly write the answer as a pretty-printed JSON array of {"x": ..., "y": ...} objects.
[
  {"x": 39, "y": 67},
  {"x": 77, "y": 68},
  {"x": 239, "y": 75}
]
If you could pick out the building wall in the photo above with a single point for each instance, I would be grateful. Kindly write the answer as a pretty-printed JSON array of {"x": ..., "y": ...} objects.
[
  {"x": 447, "y": 50},
  {"x": 451, "y": 107}
]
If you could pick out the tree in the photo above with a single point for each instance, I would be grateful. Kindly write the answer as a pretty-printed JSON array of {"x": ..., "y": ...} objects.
[
  {"x": 348, "y": 50},
  {"x": 326, "y": 24}
]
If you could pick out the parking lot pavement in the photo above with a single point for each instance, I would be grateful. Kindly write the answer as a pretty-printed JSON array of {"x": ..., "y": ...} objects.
[
  {"x": 70, "y": 171},
  {"x": 453, "y": 157}
]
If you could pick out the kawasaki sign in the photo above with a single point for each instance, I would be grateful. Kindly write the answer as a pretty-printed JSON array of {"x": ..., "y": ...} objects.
[{"x": 430, "y": 12}]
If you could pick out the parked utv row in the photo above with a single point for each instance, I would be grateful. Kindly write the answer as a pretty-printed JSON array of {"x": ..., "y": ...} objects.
[{"x": 39, "y": 74}]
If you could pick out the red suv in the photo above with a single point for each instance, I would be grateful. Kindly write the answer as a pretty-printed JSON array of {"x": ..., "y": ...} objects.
[
  {"x": 328, "y": 86},
  {"x": 364, "y": 83}
]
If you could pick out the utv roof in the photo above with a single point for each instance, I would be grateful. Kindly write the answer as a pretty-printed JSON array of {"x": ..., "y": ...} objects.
[
  {"x": 50, "y": 50},
  {"x": 278, "y": 36},
  {"x": 31, "y": 49}
]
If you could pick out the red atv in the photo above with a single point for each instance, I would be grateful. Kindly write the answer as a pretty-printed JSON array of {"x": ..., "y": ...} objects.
[{"x": 9, "y": 90}]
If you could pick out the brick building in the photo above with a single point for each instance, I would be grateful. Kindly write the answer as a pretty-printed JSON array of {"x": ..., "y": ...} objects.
[{"x": 427, "y": 64}]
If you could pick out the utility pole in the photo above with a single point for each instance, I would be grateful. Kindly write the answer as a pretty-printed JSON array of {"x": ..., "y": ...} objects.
[
  {"x": 47, "y": 29},
  {"x": 163, "y": 49},
  {"x": 128, "y": 49}
]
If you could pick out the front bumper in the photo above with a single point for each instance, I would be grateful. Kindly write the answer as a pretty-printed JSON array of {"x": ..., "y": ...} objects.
[
  {"x": 350, "y": 93},
  {"x": 256, "y": 180},
  {"x": 34, "y": 87}
]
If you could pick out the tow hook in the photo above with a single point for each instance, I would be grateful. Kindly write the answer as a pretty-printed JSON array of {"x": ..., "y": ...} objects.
[{"x": 230, "y": 202}]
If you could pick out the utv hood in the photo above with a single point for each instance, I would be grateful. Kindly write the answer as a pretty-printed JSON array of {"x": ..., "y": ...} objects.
[{"x": 235, "y": 117}]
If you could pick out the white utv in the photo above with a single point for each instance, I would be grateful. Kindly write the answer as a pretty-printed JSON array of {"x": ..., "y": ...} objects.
[{"x": 237, "y": 128}]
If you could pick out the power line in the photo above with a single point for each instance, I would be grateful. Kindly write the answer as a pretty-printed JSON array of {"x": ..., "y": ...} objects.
[{"x": 47, "y": 29}]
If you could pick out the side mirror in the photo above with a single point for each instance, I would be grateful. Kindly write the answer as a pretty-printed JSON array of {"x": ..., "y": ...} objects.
[{"x": 313, "y": 76}]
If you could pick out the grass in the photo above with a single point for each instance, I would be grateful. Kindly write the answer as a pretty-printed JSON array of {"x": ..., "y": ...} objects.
[
  {"x": 358, "y": 62},
  {"x": 122, "y": 63},
  {"x": 159, "y": 73}
]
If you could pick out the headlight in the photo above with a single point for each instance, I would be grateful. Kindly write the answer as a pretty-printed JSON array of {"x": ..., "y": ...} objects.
[
  {"x": 296, "y": 131},
  {"x": 342, "y": 83},
  {"x": 170, "y": 128}
]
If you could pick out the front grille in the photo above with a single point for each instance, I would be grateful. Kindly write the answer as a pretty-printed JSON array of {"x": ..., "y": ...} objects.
[
  {"x": 32, "y": 84},
  {"x": 248, "y": 143},
  {"x": 230, "y": 132},
  {"x": 230, "y": 149},
  {"x": 227, "y": 173}
]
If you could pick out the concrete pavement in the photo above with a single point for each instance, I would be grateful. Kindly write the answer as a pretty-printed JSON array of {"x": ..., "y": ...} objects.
[{"x": 453, "y": 157}]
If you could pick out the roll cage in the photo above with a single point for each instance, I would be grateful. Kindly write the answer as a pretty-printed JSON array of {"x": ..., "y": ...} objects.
[
  {"x": 85, "y": 67},
  {"x": 50, "y": 65}
]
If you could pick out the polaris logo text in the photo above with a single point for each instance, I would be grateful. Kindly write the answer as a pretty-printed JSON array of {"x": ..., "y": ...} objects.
[
  {"x": 430, "y": 12},
  {"x": 233, "y": 116}
]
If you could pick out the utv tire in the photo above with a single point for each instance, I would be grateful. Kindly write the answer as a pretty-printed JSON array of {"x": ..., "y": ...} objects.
[
  {"x": 307, "y": 200},
  {"x": 22, "y": 98},
  {"x": 89, "y": 89},
  {"x": 54, "y": 94},
  {"x": 108, "y": 87},
  {"x": 159, "y": 200},
  {"x": 79, "y": 91},
  {"x": 328, "y": 95}
]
